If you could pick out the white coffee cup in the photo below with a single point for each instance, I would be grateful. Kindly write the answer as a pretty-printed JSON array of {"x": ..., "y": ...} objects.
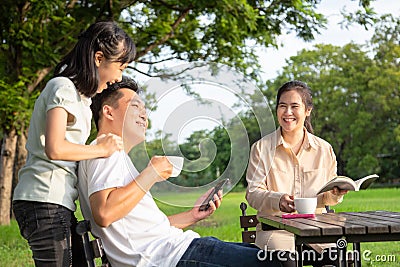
[
  {"x": 305, "y": 205},
  {"x": 177, "y": 163}
]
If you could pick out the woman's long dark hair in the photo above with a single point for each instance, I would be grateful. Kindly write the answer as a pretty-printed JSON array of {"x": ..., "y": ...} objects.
[
  {"x": 79, "y": 64},
  {"x": 305, "y": 93}
]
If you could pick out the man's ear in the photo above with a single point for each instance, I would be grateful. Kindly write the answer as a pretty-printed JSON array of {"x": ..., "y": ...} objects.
[
  {"x": 98, "y": 58},
  {"x": 108, "y": 112}
]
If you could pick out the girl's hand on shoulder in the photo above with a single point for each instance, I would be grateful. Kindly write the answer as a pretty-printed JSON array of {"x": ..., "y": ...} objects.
[{"x": 110, "y": 143}]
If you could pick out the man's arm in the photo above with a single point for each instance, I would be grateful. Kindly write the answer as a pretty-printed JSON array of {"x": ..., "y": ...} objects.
[
  {"x": 112, "y": 204},
  {"x": 187, "y": 218}
]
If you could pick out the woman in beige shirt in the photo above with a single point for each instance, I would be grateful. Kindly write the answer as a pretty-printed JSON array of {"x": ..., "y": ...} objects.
[{"x": 288, "y": 163}]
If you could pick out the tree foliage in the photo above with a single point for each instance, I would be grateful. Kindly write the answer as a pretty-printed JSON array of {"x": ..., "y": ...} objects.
[
  {"x": 356, "y": 98},
  {"x": 35, "y": 34},
  {"x": 356, "y": 106}
]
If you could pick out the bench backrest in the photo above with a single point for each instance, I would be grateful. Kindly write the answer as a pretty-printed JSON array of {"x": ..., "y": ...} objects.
[
  {"x": 93, "y": 248},
  {"x": 247, "y": 223}
]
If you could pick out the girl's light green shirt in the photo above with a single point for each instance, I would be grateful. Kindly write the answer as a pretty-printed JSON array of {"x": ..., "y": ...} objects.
[{"x": 42, "y": 179}]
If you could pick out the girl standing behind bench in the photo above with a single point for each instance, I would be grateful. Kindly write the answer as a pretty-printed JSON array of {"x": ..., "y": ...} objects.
[{"x": 44, "y": 199}]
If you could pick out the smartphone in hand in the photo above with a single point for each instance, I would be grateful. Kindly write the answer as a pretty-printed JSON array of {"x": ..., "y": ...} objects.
[{"x": 206, "y": 203}]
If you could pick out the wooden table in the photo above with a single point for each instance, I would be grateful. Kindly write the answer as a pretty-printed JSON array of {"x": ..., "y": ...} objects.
[{"x": 340, "y": 228}]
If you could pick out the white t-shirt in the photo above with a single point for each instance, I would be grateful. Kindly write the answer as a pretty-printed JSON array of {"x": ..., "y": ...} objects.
[
  {"x": 144, "y": 237},
  {"x": 42, "y": 179}
]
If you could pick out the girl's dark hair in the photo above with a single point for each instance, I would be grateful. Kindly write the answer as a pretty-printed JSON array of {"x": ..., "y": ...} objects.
[
  {"x": 305, "y": 93},
  {"x": 110, "y": 96},
  {"x": 79, "y": 65}
]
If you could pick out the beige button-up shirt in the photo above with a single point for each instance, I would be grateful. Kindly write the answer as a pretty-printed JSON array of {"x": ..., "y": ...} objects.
[{"x": 274, "y": 170}]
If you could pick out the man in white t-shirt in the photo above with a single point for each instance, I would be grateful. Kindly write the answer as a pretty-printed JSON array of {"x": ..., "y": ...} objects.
[{"x": 115, "y": 197}]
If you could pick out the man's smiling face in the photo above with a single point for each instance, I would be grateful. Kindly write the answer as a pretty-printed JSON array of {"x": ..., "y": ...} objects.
[{"x": 131, "y": 116}]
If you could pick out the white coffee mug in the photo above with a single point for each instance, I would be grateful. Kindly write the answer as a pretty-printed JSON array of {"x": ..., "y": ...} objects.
[
  {"x": 305, "y": 205},
  {"x": 177, "y": 163}
]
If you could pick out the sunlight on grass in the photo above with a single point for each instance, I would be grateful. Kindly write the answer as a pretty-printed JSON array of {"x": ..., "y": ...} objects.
[{"x": 224, "y": 224}]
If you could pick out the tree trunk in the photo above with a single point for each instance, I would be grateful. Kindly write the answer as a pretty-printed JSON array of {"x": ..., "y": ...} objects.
[
  {"x": 7, "y": 158},
  {"x": 20, "y": 159}
]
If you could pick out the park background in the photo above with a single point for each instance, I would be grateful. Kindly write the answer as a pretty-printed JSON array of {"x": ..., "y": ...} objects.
[{"x": 355, "y": 84}]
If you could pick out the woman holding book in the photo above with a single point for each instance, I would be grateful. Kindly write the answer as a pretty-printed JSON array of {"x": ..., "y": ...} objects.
[{"x": 288, "y": 163}]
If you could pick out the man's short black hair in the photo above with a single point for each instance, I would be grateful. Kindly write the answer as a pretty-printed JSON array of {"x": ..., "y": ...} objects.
[{"x": 110, "y": 96}]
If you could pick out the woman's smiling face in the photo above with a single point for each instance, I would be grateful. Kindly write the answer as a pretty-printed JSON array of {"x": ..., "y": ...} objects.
[
  {"x": 109, "y": 72},
  {"x": 291, "y": 111}
]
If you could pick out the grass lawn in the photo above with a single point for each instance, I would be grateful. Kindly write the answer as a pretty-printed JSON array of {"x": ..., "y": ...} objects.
[{"x": 224, "y": 224}]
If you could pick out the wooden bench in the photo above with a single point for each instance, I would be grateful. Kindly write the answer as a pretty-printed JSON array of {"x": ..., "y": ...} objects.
[
  {"x": 93, "y": 248},
  {"x": 247, "y": 222}
]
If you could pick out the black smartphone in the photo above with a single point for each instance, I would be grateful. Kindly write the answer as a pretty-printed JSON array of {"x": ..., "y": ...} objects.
[{"x": 206, "y": 203}]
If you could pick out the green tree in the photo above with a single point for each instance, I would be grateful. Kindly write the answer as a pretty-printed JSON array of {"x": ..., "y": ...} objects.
[
  {"x": 386, "y": 44},
  {"x": 356, "y": 98},
  {"x": 200, "y": 151},
  {"x": 36, "y": 33}
]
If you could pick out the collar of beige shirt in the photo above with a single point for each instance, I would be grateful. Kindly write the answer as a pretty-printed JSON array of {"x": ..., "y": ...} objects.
[{"x": 279, "y": 141}]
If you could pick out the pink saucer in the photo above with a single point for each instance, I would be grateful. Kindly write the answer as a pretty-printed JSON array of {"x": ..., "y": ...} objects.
[{"x": 295, "y": 215}]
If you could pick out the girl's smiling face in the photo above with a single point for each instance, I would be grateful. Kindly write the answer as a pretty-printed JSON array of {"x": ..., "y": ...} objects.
[
  {"x": 291, "y": 111},
  {"x": 109, "y": 72}
]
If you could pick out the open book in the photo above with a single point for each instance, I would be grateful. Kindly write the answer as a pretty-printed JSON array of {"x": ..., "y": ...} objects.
[{"x": 346, "y": 183}]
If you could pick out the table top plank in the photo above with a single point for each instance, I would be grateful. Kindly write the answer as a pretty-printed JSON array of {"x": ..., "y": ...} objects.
[
  {"x": 291, "y": 225},
  {"x": 348, "y": 228},
  {"x": 326, "y": 228},
  {"x": 341, "y": 223},
  {"x": 392, "y": 222},
  {"x": 385, "y": 214},
  {"x": 372, "y": 226}
]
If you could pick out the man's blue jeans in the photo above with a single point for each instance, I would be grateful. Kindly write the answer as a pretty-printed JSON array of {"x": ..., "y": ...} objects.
[
  {"x": 50, "y": 231},
  {"x": 210, "y": 251}
]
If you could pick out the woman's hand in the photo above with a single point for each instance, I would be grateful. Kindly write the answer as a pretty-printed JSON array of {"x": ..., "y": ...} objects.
[
  {"x": 110, "y": 143},
  {"x": 338, "y": 192},
  {"x": 286, "y": 203}
]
